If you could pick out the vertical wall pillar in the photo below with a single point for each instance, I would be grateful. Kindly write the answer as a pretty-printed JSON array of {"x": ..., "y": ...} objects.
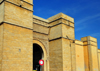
[
  {"x": 79, "y": 55},
  {"x": 90, "y": 53},
  {"x": 16, "y": 35},
  {"x": 61, "y": 45},
  {"x": 99, "y": 58}
]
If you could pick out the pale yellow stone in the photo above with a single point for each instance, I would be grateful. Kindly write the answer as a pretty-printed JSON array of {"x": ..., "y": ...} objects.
[
  {"x": 60, "y": 15},
  {"x": 29, "y": 1},
  {"x": 78, "y": 42},
  {"x": 17, "y": 2},
  {"x": 2, "y": 12},
  {"x": 41, "y": 29},
  {"x": 26, "y": 5},
  {"x": 20, "y": 39},
  {"x": 67, "y": 32},
  {"x": 18, "y": 16},
  {"x": 99, "y": 58},
  {"x": 55, "y": 52},
  {"x": 1, "y": 44},
  {"x": 84, "y": 39},
  {"x": 79, "y": 56},
  {"x": 93, "y": 39},
  {"x": 55, "y": 32}
]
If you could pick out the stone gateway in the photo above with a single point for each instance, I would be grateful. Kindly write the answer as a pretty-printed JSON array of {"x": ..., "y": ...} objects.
[{"x": 25, "y": 39}]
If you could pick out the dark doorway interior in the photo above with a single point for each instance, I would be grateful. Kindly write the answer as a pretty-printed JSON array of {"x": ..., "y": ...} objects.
[{"x": 37, "y": 55}]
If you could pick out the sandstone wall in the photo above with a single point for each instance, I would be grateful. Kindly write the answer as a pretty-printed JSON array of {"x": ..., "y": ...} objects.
[
  {"x": 17, "y": 15},
  {"x": 1, "y": 44},
  {"x": 61, "y": 42},
  {"x": 17, "y": 49},
  {"x": 99, "y": 58},
  {"x": 2, "y": 12},
  {"x": 79, "y": 56},
  {"x": 55, "y": 53},
  {"x": 90, "y": 53}
]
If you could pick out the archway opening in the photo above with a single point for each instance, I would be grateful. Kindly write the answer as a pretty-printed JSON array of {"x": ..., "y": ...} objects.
[{"x": 37, "y": 55}]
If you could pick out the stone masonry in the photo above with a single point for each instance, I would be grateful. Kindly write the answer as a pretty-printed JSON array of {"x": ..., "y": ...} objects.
[{"x": 20, "y": 29}]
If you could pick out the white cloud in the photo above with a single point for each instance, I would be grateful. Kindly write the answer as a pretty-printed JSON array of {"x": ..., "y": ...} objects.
[
  {"x": 79, "y": 28},
  {"x": 95, "y": 35},
  {"x": 87, "y": 19}
]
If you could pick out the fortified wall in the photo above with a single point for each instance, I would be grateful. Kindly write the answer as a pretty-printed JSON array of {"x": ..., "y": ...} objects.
[{"x": 26, "y": 38}]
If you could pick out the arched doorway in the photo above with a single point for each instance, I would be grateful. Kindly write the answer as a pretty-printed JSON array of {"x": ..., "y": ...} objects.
[
  {"x": 44, "y": 56},
  {"x": 37, "y": 55}
]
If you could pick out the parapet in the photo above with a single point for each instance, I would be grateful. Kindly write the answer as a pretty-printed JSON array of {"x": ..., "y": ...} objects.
[
  {"x": 89, "y": 41},
  {"x": 78, "y": 42},
  {"x": 61, "y": 15}
]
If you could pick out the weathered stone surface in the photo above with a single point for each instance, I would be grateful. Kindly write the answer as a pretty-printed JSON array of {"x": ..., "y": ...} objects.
[
  {"x": 2, "y": 12},
  {"x": 18, "y": 16},
  {"x": 73, "y": 57},
  {"x": 17, "y": 49},
  {"x": 94, "y": 58},
  {"x": 40, "y": 36},
  {"x": 60, "y": 15},
  {"x": 66, "y": 52},
  {"x": 78, "y": 42},
  {"x": 67, "y": 31},
  {"x": 93, "y": 39},
  {"x": 55, "y": 22},
  {"x": 90, "y": 52},
  {"x": 29, "y": 1},
  {"x": 55, "y": 32},
  {"x": 1, "y": 44},
  {"x": 84, "y": 39},
  {"x": 17, "y": 2},
  {"x": 99, "y": 58},
  {"x": 55, "y": 53},
  {"x": 41, "y": 29},
  {"x": 79, "y": 56},
  {"x": 26, "y": 5},
  {"x": 86, "y": 58}
]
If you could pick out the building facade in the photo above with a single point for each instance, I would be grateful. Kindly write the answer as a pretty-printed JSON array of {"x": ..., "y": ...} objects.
[{"x": 26, "y": 38}]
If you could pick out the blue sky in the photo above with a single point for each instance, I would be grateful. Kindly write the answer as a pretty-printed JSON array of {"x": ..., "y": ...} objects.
[{"x": 86, "y": 14}]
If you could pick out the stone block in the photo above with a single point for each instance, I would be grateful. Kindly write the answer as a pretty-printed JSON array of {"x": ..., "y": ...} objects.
[
  {"x": 71, "y": 24},
  {"x": 17, "y": 2},
  {"x": 1, "y": 12},
  {"x": 1, "y": 43},
  {"x": 67, "y": 17},
  {"x": 67, "y": 31},
  {"x": 17, "y": 52},
  {"x": 41, "y": 29},
  {"x": 93, "y": 39},
  {"x": 55, "y": 54},
  {"x": 93, "y": 43},
  {"x": 66, "y": 52},
  {"x": 79, "y": 56},
  {"x": 99, "y": 58},
  {"x": 55, "y": 32},
  {"x": 78, "y": 42},
  {"x": 29, "y": 1},
  {"x": 94, "y": 58},
  {"x": 40, "y": 36},
  {"x": 60, "y": 15},
  {"x": 26, "y": 5},
  {"x": 56, "y": 22},
  {"x": 84, "y": 39},
  {"x": 18, "y": 16}
]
